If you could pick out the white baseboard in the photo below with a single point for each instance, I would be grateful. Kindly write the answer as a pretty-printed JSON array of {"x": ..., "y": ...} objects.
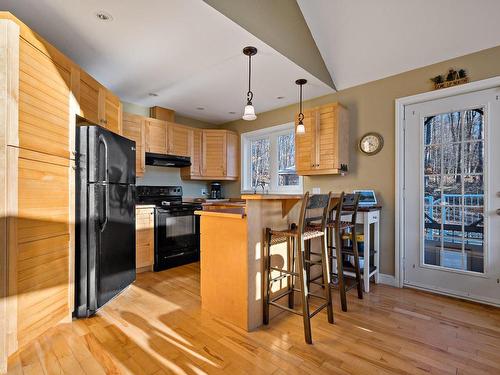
[{"x": 387, "y": 279}]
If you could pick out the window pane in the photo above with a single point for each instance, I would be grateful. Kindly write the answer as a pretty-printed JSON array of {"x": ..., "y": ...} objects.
[
  {"x": 473, "y": 125},
  {"x": 432, "y": 130},
  {"x": 286, "y": 160},
  {"x": 260, "y": 160}
]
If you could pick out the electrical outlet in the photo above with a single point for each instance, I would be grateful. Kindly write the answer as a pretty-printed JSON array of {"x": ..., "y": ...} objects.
[
  {"x": 203, "y": 191},
  {"x": 316, "y": 190}
]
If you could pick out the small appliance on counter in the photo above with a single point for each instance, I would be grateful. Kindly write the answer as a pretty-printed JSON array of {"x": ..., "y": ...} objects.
[
  {"x": 177, "y": 228},
  {"x": 215, "y": 190},
  {"x": 105, "y": 217}
]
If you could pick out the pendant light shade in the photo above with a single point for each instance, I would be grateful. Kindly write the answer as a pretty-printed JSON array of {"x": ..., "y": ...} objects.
[
  {"x": 300, "y": 129},
  {"x": 249, "y": 113}
]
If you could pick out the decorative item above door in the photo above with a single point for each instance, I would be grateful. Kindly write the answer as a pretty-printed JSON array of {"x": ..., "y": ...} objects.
[{"x": 452, "y": 78}]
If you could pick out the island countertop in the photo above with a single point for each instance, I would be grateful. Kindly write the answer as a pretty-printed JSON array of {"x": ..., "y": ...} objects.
[{"x": 275, "y": 197}]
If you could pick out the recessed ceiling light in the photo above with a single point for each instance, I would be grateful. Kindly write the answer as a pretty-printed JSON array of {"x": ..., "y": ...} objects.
[
  {"x": 200, "y": 108},
  {"x": 232, "y": 113},
  {"x": 103, "y": 16},
  {"x": 280, "y": 97},
  {"x": 153, "y": 94}
]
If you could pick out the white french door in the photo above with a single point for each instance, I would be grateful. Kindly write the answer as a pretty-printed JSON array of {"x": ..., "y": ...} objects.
[{"x": 452, "y": 194}]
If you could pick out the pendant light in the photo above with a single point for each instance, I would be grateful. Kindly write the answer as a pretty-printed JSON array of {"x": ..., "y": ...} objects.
[
  {"x": 300, "y": 126},
  {"x": 249, "y": 113}
]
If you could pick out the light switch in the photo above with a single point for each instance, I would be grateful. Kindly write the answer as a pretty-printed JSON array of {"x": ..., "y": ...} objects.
[{"x": 316, "y": 190}]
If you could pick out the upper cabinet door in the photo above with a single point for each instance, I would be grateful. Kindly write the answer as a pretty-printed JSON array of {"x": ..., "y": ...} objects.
[
  {"x": 156, "y": 136},
  {"x": 179, "y": 139},
  {"x": 44, "y": 105},
  {"x": 196, "y": 151},
  {"x": 214, "y": 153},
  {"x": 305, "y": 144},
  {"x": 133, "y": 128},
  {"x": 112, "y": 111},
  {"x": 232, "y": 155},
  {"x": 89, "y": 98},
  {"x": 327, "y": 140}
]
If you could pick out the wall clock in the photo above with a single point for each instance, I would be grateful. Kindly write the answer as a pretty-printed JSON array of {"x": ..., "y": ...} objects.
[{"x": 371, "y": 143}]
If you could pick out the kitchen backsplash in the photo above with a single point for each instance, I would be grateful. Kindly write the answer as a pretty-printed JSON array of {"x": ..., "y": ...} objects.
[{"x": 163, "y": 176}]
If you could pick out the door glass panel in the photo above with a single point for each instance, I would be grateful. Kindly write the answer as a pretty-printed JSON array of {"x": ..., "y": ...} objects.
[{"x": 454, "y": 190}]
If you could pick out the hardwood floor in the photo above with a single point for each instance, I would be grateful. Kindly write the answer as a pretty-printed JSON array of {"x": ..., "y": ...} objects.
[{"x": 157, "y": 327}]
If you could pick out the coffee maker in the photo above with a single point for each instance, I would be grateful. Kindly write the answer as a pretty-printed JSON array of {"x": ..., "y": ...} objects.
[{"x": 215, "y": 190}]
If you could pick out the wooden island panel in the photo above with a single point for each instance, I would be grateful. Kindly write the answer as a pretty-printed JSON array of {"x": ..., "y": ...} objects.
[{"x": 224, "y": 267}]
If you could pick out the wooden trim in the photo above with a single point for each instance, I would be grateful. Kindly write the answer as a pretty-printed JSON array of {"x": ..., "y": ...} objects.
[
  {"x": 9, "y": 94},
  {"x": 12, "y": 245}
]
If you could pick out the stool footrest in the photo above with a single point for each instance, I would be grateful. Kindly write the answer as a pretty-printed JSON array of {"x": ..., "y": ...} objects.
[
  {"x": 285, "y": 308},
  {"x": 318, "y": 309},
  {"x": 284, "y": 271}
]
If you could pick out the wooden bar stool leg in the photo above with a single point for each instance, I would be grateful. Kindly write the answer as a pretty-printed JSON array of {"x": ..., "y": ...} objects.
[
  {"x": 340, "y": 268},
  {"x": 291, "y": 267},
  {"x": 356, "y": 263},
  {"x": 267, "y": 275},
  {"x": 304, "y": 290},
  {"x": 307, "y": 254},
  {"x": 326, "y": 277}
]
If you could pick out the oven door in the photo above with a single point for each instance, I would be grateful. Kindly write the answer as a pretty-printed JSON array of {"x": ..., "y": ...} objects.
[{"x": 177, "y": 237}]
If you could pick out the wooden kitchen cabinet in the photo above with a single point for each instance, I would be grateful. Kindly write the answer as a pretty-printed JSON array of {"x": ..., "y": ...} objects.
[
  {"x": 89, "y": 98},
  {"x": 324, "y": 147},
  {"x": 98, "y": 104},
  {"x": 112, "y": 111},
  {"x": 133, "y": 128},
  {"x": 180, "y": 139},
  {"x": 219, "y": 156},
  {"x": 156, "y": 136},
  {"x": 194, "y": 171},
  {"x": 144, "y": 226},
  {"x": 44, "y": 108},
  {"x": 232, "y": 155}
]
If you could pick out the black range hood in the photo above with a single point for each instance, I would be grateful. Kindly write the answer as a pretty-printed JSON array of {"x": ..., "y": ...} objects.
[{"x": 162, "y": 160}]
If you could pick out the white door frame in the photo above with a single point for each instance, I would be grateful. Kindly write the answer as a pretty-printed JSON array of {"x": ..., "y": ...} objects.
[{"x": 399, "y": 244}]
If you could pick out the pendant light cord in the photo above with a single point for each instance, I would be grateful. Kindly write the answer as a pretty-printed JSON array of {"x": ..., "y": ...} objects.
[
  {"x": 301, "y": 115},
  {"x": 249, "y": 93}
]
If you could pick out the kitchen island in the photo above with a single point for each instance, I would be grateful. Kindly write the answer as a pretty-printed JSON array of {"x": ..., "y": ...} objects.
[{"x": 231, "y": 254}]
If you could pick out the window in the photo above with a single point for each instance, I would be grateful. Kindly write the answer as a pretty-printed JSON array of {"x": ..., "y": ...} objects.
[{"x": 268, "y": 159}]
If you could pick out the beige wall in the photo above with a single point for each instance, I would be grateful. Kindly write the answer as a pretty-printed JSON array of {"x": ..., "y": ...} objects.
[{"x": 371, "y": 108}]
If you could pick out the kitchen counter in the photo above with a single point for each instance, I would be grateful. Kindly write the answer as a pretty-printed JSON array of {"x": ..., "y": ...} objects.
[
  {"x": 231, "y": 242},
  {"x": 140, "y": 205}
]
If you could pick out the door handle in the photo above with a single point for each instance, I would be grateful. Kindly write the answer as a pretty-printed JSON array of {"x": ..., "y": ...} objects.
[
  {"x": 105, "y": 203},
  {"x": 105, "y": 144}
]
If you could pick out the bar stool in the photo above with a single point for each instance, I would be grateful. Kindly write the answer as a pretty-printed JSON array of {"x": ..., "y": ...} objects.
[
  {"x": 296, "y": 238},
  {"x": 346, "y": 205}
]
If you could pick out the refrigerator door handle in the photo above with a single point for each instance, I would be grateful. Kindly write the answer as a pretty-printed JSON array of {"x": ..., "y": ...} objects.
[
  {"x": 105, "y": 144},
  {"x": 105, "y": 203}
]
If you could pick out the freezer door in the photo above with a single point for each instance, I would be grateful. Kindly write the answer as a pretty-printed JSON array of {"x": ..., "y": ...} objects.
[
  {"x": 114, "y": 239},
  {"x": 111, "y": 157}
]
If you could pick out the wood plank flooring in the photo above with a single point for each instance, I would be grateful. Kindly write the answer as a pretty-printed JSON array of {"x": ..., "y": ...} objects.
[{"x": 157, "y": 327}]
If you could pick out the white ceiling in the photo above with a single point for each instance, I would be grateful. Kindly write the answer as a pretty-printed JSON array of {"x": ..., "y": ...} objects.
[
  {"x": 365, "y": 40},
  {"x": 183, "y": 50}
]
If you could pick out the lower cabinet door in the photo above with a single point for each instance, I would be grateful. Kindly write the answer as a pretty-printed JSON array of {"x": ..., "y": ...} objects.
[{"x": 144, "y": 238}]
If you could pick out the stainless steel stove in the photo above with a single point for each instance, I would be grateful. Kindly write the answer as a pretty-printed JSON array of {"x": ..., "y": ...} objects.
[{"x": 177, "y": 228}]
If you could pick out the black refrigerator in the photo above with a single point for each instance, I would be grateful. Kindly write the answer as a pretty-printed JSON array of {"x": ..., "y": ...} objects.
[{"x": 105, "y": 217}]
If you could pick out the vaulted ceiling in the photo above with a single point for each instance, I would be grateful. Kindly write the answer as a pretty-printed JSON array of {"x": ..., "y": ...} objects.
[
  {"x": 366, "y": 40},
  {"x": 188, "y": 52}
]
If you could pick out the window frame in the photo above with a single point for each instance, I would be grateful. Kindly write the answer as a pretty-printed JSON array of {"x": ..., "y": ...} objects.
[{"x": 272, "y": 133}]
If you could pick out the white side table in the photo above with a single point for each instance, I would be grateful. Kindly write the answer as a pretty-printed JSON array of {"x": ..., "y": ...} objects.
[{"x": 367, "y": 217}]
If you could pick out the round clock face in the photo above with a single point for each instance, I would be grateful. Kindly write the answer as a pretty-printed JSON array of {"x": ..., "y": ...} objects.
[{"x": 371, "y": 143}]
